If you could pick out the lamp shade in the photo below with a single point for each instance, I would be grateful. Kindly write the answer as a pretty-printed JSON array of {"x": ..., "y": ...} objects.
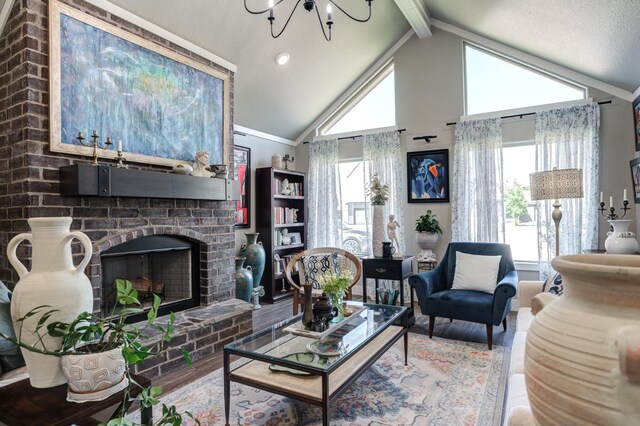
[{"x": 555, "y": 184}]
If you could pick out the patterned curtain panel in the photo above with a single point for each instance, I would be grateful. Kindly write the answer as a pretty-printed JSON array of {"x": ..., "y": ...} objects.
[
  {"x": 569, "y": 138},
  {"x": 324, "y": 195},
  {"x": 383, "y": 157},
  {"x": 477, "y": 208}
]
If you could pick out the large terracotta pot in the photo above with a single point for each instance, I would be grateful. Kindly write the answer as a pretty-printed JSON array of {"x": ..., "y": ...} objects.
[
  {"x": 254, "y": 252},
  {"x": 378, "y": 230},
  {"x": 582, "y": 358},
  {"x": 53, "y": 281},
  {"x": 244, "y": 281}
]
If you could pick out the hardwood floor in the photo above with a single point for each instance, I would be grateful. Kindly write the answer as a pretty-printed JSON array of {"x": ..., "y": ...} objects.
[{"x": 272, "y": 314}]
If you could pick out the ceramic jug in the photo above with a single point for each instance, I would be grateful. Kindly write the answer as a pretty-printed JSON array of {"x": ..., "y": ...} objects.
[
  {"x": 54, "y": 281},
  {"x": 254, "y": 252},
  {"x": 244, "y": 281}
]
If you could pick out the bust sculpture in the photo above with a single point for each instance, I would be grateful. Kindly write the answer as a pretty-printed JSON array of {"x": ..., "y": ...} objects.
[{"x": 201, "y": 165}]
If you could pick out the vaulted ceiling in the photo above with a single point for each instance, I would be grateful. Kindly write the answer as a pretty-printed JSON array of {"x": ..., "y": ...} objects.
[{"x": 593, "y": 37}]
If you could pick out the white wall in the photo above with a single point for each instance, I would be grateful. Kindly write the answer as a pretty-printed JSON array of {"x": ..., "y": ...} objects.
[
  {"x": 261, "y": 152},
  {"x": 429, "y": 93}
]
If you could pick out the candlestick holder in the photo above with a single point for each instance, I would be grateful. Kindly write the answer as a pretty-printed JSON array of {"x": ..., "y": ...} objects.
[
  {"x": 121, "y": 161},
  {"x": 612, "y": 211},
  {"x": 95, "y": 144}
]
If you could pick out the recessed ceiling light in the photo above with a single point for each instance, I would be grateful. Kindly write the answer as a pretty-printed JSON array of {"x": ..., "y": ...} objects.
[{"x": 282, "y": 58}]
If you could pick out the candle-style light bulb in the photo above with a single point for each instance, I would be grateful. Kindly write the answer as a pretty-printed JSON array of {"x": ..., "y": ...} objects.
[
  {"x": 329, "y": 9},
  {"x": 624, "y": 195},
  {"x": 270, "y": 8},
  {"x": 611, "y": 201},
  {"x": 120, "y": 145},
  {"x": 601, "y": 197}
]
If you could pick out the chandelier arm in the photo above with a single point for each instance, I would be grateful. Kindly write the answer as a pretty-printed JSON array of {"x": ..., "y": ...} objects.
[
  {"x": 352, "y": 17},
  {"x": 260, "y": 12},
  {"x": 286, "y": 23},
  {"x": 322, "y": 26}
]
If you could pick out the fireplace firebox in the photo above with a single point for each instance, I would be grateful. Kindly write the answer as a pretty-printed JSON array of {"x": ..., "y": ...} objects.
[{"x": 164, "y": 265}]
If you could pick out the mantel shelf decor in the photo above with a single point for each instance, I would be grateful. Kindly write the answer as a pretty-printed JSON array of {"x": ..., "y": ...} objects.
[{"x": 105, "y": 181}]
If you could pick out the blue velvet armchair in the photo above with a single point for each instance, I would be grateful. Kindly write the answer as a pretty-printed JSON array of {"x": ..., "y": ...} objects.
[{"x": 437, "y": 299}]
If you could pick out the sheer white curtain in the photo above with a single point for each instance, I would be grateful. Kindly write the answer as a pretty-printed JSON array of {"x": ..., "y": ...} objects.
[
  {"x": 324, "y": 222},
  {"x": 477, "y": 208},
  {"x": 383, "y": 156},
  {"x": 569, "y": 138}
]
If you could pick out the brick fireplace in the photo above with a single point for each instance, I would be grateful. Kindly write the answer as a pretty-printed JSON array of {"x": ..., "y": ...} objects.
[{"x": 30, "y": 187}]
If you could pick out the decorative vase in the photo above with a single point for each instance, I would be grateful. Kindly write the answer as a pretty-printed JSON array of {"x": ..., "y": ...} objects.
[
  {"x": 254, "y": 252},
  {"x": 378, "y": 230},
  {"x": 337, "y": 301},
  {"x": 276, "y": 161},
  {"x": 244, "y": 281},
  {"x": 94, "y": 376},
  {"x": 307, "y": 314},
  {"x": 621, "y": 241},
  {"x": 323, "y": 309},
  {"x": 388, "y": 296},
  {"x": 582, "y": 356},
  {"x": 427, "y": 242},
  {"x": 53, "y": 281}
]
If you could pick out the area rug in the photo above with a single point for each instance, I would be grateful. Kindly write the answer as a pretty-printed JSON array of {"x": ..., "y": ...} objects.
[{"x": 446, "y": 383}]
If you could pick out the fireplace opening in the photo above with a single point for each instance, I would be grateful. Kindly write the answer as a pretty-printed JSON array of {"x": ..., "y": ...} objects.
[{"x": 163, "y": 265}]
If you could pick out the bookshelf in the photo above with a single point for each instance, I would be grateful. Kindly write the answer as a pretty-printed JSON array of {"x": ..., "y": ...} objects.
[{"x": 276, "y": 212}]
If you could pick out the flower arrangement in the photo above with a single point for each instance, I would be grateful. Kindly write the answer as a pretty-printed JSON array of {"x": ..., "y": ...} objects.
[
  {"x": 378, "y": 192},
  {"x": 335, "y": 284}
]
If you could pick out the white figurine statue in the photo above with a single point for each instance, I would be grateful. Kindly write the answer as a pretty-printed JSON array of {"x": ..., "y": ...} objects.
[
  {"x": 392, "y": 233},
  {"x": 285, "y": 187},
  {"x": 286, "y": 238},
  {"x": 201, "y": 165}
]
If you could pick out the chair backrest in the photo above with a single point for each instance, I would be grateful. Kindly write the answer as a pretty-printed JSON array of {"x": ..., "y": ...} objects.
[
  {"x": 346, "y": 261},
  {"x": 483, "y": 249}
]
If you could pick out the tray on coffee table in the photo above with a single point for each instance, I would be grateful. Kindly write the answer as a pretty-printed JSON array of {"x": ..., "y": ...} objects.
[{"x": 299, "y": 330}]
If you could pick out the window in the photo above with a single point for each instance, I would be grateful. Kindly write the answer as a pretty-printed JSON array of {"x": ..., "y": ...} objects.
[
  {"x": 495, "y": 83},
  {"x": 373, "y": 106},
  {"x": 355, "y": 205}
]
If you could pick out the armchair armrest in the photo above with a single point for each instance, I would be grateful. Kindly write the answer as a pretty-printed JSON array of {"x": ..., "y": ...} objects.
[
  {"x": 425, "y": 284},
  {"x": 505, "y": 290}
]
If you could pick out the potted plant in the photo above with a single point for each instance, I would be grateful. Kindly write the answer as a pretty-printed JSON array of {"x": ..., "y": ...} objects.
[
  {"x": 379, "y": 195},
  {"x": 335, "y": 285},
  {"x": 111, "y": 346},
  {"x": 427, "y": 231}
]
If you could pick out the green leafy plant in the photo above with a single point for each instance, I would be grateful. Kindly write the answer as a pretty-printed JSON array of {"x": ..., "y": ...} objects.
[
  {"x": 515, "y": 202},
  {"x": 335, "y": 284},
  {"x": 88, "y": 333},
  {"x": 378, "y": 192},
  {"x": 428, "y": 223}
]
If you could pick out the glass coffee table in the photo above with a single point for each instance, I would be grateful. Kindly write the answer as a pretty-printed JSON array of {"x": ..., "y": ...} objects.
[{"x": 311, "y": 370}]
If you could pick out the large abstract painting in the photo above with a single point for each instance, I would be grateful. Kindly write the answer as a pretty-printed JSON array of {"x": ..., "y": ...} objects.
[
  {"x": 162, "y": 105},
  {"x": 428, "y": 176}
]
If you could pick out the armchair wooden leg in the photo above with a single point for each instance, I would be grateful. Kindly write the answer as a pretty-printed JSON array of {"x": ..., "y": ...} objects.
[
  {"x": 432, "y": 321},
  {"x": 490, "y": 335},
  {"x": 504, "y": 324},
  {"x": 450, "y": 320},
  {"x": 295, "y": 303}
]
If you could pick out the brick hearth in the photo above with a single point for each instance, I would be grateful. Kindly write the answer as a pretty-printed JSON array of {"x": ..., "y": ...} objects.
[{"x": 30, "y": 183}]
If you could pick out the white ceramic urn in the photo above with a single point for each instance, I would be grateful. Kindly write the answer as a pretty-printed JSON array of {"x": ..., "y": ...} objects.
[
  {"x": 621, "y": 241},
  {"x": 427, "y": 242},
  {"x": 53, "y": 281},
  {"x": 378, "y": 230},
  {"x": 582, "y": 357}
]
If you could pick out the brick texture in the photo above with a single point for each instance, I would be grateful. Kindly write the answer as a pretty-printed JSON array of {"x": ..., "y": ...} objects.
[{"x": 29, "y": 171}]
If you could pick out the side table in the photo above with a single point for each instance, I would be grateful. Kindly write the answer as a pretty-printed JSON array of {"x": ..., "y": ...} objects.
[
  {"x": 21, "y": 404},
  {"x": 426, "y": 265},
  {"x": 388, "y": 268}
]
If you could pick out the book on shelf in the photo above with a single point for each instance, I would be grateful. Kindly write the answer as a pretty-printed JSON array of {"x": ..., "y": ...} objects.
[
  {"x": 295, "y": 188},
  {"x": 284, "y": 215},
  {"x": 280, "y": 264}
]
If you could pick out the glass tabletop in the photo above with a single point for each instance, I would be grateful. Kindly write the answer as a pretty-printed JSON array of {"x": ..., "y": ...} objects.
[{"x": 275, "y": 344}]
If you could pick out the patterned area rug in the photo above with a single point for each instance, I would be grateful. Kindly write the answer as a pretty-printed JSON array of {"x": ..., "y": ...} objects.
[{"x": 446, "y": 383}]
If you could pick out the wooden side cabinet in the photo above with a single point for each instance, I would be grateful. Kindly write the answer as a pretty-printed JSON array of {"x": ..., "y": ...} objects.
[{"x": 275, "y": 213}]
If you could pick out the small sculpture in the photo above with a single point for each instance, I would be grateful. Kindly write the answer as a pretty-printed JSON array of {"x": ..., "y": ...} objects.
[
  {"x": 276, "y": 161},
  {"x": 286, "y": 190},
  {"x": 286, "y": 160},
  {"x": 201, "y": 165},
  {"x": 295, "y": 215},
  {"x": 392, "y": 233},
  {"x": 183, "y": 169},
  {"x": 286, "y": 238},
  {"x": 220, "y": 170}
]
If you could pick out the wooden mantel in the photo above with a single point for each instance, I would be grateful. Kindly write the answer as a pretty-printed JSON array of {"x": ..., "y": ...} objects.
[{"x": 107, "y": 181}]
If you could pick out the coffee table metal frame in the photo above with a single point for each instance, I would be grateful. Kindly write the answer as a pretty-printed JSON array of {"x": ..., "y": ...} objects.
[{"x": 401, "y": 316}]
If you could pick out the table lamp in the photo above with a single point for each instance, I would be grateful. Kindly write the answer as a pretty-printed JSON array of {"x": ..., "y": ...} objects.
[{"x": 554, "y": 185}]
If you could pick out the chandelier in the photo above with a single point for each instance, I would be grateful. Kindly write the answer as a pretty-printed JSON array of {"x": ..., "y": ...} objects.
[{"x": 309, "y": 6}]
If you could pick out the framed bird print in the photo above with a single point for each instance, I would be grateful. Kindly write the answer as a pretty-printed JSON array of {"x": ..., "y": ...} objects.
[{"x": 428, "y": 176}]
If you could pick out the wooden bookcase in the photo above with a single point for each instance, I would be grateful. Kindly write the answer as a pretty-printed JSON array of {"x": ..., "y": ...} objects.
[{"x": 272, "y": 218}]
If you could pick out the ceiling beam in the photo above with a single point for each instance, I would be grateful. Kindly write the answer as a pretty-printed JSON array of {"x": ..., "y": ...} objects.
[{"x": 417, "y": 15}]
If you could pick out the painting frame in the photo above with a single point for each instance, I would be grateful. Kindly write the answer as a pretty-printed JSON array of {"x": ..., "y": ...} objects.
[
  {"x": 636, "y": 121},
  {"x": 222, "y": 133},
  {"x": 417, "y": 189},
  {"x": 242, "y": 173},
  {"x": 634, "y": 166}
]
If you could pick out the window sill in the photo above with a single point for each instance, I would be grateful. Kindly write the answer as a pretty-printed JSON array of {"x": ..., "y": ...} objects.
[{"x": 527, "y": 265}]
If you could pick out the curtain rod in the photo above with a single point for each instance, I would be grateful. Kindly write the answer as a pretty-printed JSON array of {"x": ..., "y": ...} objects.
[
  {"x": 453, "y": 123},
  {"x": 356, "y": 136}
]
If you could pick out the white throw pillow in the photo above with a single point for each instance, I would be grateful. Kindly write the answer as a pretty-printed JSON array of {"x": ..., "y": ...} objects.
[{"x": 476, "y": 272}]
